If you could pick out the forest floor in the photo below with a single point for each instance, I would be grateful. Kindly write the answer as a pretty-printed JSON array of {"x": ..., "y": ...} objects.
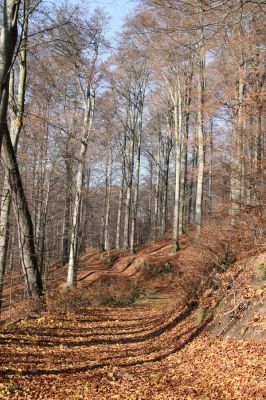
[{"x": 157, "y": 348}]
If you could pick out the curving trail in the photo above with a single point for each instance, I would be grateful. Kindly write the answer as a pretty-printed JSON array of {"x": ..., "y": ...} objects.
[{"x": 128, "y": 353}]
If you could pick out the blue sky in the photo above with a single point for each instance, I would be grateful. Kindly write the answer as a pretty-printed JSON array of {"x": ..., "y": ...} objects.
[{"x": 116, "y": 9}]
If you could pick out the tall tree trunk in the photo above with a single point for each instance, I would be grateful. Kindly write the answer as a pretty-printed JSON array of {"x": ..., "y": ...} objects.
[
  {"x": 121, "y": 193},
  {"x": 157, "y": 187},
  {"x": 127, "y": 216},
  {"x": 210, "y": 170},
  {"x": 107, "y": 203},
  {"x": 136, "y": 195},
  {"x": 165, "y": 181},
  {"x": 17, "y": 114},
  {"x": 192, "y": 185},
  {"x": 4, "y": 230},
  {"x": 42, "y": 252},
  {"x": 200, "y": 131},
  {"x": 178, "y": 137},
  {"x": 67, "y": 214},
  {"x": 65, "y": 234},
  {"x": 237, "y": 145},
  {"x": 28, "y": 258},
  {"x": 69, "y": 168},
  {"x": 183, "y": 182},
  {"x": 103, "y": 234},
  {"x": 89, "y": 103},
  {"x": 8, "y": 40},
  {"x": 119, "y": 214},
  {"x": 129, "y": 183},
  {"x": 150, "y": 217},
  {"x": 40, "y": 197},
  {"x": 73, "y": 255}
]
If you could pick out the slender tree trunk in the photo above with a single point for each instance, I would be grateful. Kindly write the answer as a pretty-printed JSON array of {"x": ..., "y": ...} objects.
[
  {"x": 82, "y": 224},
  {"x": 157, "y": 188},
  {"x": 65, "y": 236},
  {"x": 237, "y": 143},
  {"x": 210, "y": 170},
  {"x": 74, "y": 245},
  {"x": 4, "y": 230},
  {"x": 127, "y": 215},
  {"x": 107, "y": 203},
  {"x": 28, "y": 258},
  {"x": 85, "y": 214},
  {"x": 103, "y": 235},
  {"x": 164, "y": 191},
  {"x": 136, "y": 196},
  {"x": 178, "y": 137},
  {"x": 259, "y": 154},
  {"x": 73, "y": 256},
  {"x": 121, "y": 193},
  {"x": 119, "y": 213},
  {"x": 166, "y": 162},
  {"x": 235, "y": 176},
  {"x": 42, "y": 255},
  {"x": 8, "y": 40},
  {"x": 66, "y": 230},
  {"x": 126, "y": 243},
  {"x": 200, "y": 136},
  {"x": 192, "y": 185},
  {"x": 150, "y": 217},
  {"x": 17, "y": 113},
  {"x": 67, "y": 214},
  {"x": 183, "y": 183},
  {"x": 40, "y": 184}
]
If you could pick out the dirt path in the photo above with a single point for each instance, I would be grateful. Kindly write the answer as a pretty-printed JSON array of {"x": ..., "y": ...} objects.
[
  {"x": 139, "y": 352},
  {"x": 128, "y": 353}
]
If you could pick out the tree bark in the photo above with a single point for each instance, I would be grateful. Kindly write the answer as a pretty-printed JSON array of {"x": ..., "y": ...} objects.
[
  {"x": 178, "y": 136},
  {"x": 210, "y": 169},
  {"x": 183, "y": 182},
  {"x": 106, "y": 244},
  {"x": 129, "y": 183},
  {"x": 8, "y": 40},
  {"x": 157, "y": 187},
  {"x": 200, "y": 131},
  {"x": 136, "y": 195},
  {"x": 121, "y": 193},
  {"x": 4, "y": 231},
  {"x": 28, "y": 257},
  {"x": 67, "y": 214},
  {"x": 17, "y": 114},
  {"x": 165, "y": 181},
  {"x": 89, "y": 104},
  {"x": 237, "y": 144}
]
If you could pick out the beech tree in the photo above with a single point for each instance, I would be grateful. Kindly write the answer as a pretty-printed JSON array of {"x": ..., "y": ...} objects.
[
  {"x": 108, "y": 147},
  {"x": 88, "y": 78},
  {"x": 13, "y": 186},
  {"x": 8, "y": 40}
]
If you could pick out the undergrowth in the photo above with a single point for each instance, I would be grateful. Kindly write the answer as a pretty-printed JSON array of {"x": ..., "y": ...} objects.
[{"x": 107, "y": 291}]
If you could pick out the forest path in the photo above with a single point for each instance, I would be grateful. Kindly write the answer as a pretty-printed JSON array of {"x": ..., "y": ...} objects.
[
  {"x": 141, "y": 352},
  {"x": 126, "y": 353}
]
